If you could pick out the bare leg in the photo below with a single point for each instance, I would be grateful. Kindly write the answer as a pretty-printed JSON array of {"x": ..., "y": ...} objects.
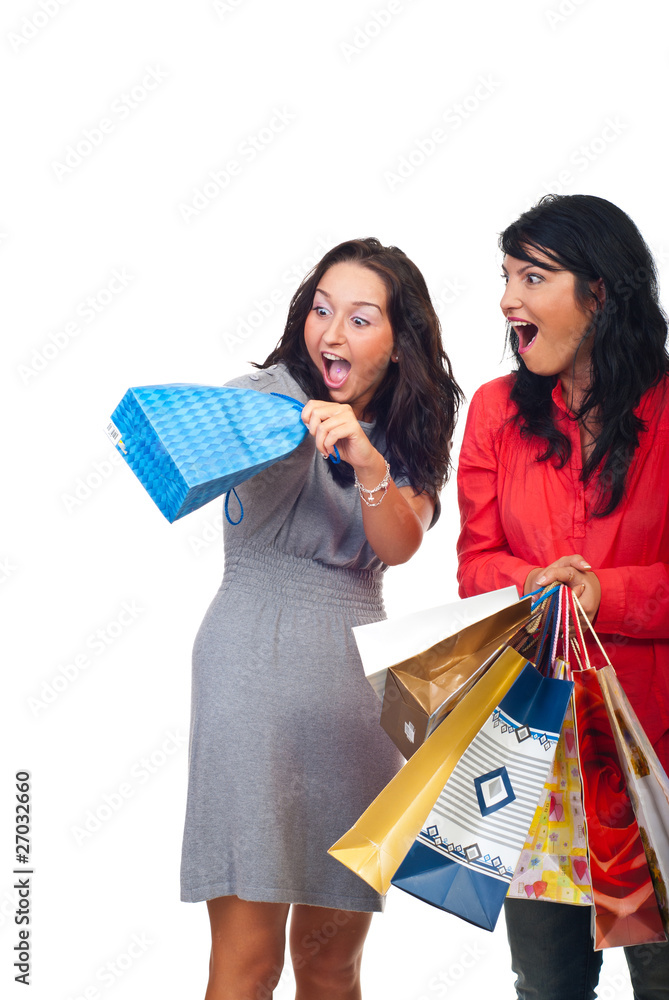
[
  {"x": 326, "y": 949},
  {"x": 248, "y": 941}
]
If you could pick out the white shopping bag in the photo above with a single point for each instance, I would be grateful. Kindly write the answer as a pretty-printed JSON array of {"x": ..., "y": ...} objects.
[{"x": 385, "y": 643}]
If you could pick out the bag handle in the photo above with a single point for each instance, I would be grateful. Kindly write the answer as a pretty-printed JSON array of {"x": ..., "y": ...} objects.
[
  {"x": 556, "y": 629},
  {"x": 335, "y": 459},
  {"x": 594, "y": 634},
  {"x": 226, "y": 506},
  {"x": 579, "y": 641}
]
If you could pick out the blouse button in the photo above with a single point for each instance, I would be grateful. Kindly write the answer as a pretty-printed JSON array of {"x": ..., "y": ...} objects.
[{"x": 254, "y": 378}]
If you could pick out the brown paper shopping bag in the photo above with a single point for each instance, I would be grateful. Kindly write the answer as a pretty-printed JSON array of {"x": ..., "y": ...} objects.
[{"x": 421, "y": 690}]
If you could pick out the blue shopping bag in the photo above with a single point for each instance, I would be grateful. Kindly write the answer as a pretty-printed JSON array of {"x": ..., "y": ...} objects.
[
  {"x": 188, "y": 444},
  {"x": 466, "y": 854}
]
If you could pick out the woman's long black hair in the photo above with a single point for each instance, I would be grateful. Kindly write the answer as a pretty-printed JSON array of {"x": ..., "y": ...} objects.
[
  {"x": 595, "y": 240},
  {"x": 417, "y": 402}
]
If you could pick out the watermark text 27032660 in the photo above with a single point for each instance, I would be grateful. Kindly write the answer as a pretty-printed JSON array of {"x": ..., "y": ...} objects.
[{"x": 22, "y": 884}]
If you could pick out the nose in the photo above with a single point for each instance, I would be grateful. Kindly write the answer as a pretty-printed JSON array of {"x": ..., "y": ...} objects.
[
  {"x": 510, "y": 299},
  {"x": 334, "y": 333}
]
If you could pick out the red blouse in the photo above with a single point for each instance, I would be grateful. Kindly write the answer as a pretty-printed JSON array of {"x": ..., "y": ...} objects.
[{"x": 518, "y": 514}]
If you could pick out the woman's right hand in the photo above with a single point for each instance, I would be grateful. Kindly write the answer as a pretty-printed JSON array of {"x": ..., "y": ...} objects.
[{"x": 576, "y": 573}]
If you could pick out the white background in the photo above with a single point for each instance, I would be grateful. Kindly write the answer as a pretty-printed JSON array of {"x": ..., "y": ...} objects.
[{"x": 530, "y": 96}]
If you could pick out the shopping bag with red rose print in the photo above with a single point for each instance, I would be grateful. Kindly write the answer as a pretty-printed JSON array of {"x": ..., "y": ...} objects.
[
  {"x": 647, "y": 782},
  {"x": 626, "y": 911}
]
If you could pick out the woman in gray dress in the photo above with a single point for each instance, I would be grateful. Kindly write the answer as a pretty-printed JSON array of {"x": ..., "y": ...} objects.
[{"x": 286, "y": 748}]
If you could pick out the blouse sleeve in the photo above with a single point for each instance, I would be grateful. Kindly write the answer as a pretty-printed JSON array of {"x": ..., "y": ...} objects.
[
  {"x": 485, "y": 561},
  {"x": 635, "y": 601}
]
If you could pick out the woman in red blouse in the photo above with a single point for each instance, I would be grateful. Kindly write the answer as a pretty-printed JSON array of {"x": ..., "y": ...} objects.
[{"x": 564, "y": 476}]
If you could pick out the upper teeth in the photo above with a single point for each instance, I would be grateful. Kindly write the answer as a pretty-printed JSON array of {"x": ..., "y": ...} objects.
[
  {"x": 332, "y": 357},
  {"x": 519, "y": 323}
]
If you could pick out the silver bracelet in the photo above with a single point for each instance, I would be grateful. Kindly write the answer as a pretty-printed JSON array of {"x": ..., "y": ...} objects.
[{"x": 383, "y": 485}]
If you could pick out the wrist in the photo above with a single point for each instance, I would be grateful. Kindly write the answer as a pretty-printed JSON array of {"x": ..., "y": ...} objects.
[
  {"x": 372, "y": 495},
  {"x": 371, "y": 472},
  {"x": 529, "y": 584}
]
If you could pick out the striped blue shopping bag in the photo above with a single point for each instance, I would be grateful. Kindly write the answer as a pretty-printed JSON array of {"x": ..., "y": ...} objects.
[{"x": 465, "y": 856}]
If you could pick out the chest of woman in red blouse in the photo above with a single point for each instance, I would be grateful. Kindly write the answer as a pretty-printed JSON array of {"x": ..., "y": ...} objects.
[{"x": 544, "y": 508}]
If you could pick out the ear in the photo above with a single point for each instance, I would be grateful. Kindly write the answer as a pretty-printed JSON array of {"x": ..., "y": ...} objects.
[{"x": 598, "y": 292}]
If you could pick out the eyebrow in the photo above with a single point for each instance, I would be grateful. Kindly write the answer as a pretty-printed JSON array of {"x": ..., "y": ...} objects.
[
  {"x": 527, "y": 267},
  {"x": 372, "y": 304}
]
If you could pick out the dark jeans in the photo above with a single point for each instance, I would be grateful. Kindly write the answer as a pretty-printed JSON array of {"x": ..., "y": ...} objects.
[{"x": 553, "y": 957}]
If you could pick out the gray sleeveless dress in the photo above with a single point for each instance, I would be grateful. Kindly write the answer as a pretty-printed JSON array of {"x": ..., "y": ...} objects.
[{"x": 286, "y": 749}]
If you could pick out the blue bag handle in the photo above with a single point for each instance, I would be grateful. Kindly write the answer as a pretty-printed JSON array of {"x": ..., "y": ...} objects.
[
  {"x": 227, "y": 502},
  {"x": 335, "y": 459}
]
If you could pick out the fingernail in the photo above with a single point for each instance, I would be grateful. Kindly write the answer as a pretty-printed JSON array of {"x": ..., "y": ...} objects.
[
  {"x": 324, "y": 456},
  {"x": 586, "y": 565},
  {"x": 540, "y": 580}
]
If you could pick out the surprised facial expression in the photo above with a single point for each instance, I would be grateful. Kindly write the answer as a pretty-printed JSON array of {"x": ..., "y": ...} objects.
[
  {"x": 348, "y": 334},
  {"x": 550, "y": 322}
]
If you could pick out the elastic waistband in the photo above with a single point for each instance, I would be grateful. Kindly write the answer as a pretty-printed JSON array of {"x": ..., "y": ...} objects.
[{"x": 292, "y": 578}]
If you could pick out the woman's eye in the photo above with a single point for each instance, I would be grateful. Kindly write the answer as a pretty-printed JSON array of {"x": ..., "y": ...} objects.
[
  {"x": 505, "y": 278},
  {"x": 320, "y": 310},
  {"x": 359, "y": 321},
  {"x": 533, "y": 279}
]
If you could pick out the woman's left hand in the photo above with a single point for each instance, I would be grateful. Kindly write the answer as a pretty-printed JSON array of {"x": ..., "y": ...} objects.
[
  {"x": 576, "y": 573},
  {"x": 336, "y": 424}
]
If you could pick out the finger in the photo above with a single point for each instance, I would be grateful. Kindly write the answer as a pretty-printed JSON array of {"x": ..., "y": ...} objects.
[
  {"x": 575, "y": 560},
  {"x": 335, "y": 431},
  {"x": 579, "y": 562},
  {"x": 318, "y": 408},
  {"x": 307, "y": 410},
  {"x": 327, "y": 434},
  {"x": 560, "y": 574}
]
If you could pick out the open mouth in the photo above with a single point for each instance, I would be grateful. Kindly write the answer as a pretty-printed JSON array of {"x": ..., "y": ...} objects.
[
  {"x": 527, "y": 334},
  {"x": 335, "y": 370}
]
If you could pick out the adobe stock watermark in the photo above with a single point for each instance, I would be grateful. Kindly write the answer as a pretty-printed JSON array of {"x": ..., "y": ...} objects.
[
  {"x": 211, "y": 531},
  {"x": 7, "y": 908},
  {"x": 109, "y": 973},
  {"x": 660, "y": 255},
  {"x": 138, "y": 775},
  {"x": 121, "y": 108},
  {"x": 7, "y": 569},
  {"x": 95, "y": 645},
  {"x": 558, "y": 15},
  {"x": 274, "y": 300},
  {"x": 223, "y": 7},
  {"x": 85, "y": 312},
  {"x": 86, "y": 485},
  {"x": 582, "y": 157},
  {"x": 247, "y": 151},
  {"x": 451, "y": 977},
  {"x": 374, "y": 25},
  {"x": 33, "y": 24},
  {"x": 450, "y": 290},
  {"x": 453, "y": 117}
]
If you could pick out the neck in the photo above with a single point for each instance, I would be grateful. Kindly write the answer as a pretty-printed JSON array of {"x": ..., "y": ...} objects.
[
  {"x": 575, "y": 380},
  {"x": 574, "y": 390}
]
